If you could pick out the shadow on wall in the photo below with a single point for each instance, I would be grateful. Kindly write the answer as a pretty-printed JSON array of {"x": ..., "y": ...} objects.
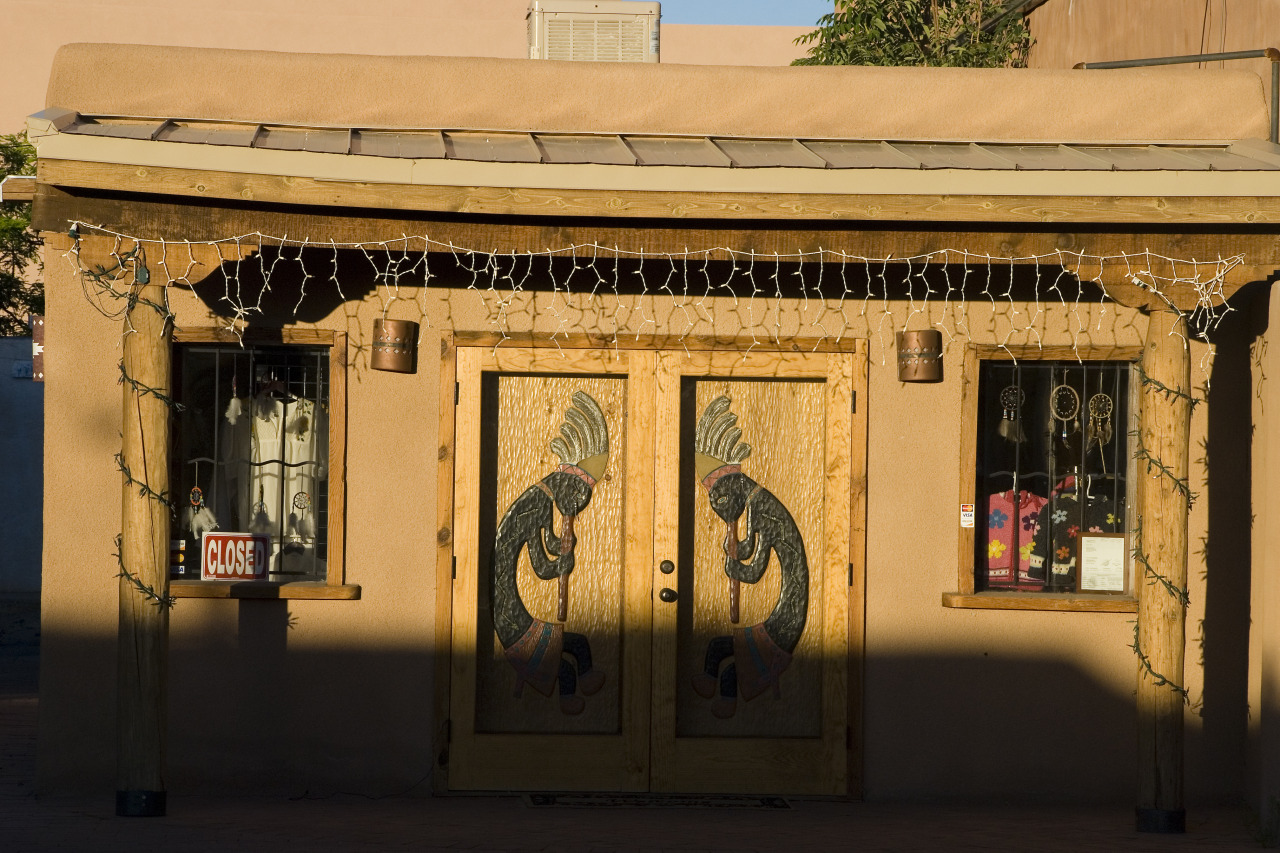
[
  {"x": 1218, "y": 642},
  {"x": 250, "y": 714},
  {"x": 22, "y": 481}
]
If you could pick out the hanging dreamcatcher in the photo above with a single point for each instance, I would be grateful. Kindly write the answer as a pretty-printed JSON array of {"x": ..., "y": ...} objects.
[
  {"x": 1011, "y": 400},
  {"x": 1100, "y": 407},
  {"x": 199, "y": 517},
  {"x": 1064, "y": 405},
  {"x": 259, "y": 518}
]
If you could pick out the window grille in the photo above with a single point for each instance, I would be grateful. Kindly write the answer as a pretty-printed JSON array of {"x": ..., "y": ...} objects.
[
  {"x": 251, "y": 452},
  {"x": 1053, "y": 464}
]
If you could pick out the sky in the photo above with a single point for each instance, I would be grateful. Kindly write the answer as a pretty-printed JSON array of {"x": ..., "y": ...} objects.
[{"x": 796, "y": 13}]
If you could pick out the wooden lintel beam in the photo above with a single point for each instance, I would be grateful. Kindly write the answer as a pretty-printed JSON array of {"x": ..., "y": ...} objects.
[
  {"x": 176, "y": 220},
  {"x": 161, "y": 217},
  {"x": 1133, "y": 211},
  {"x": 18, "y": 188}
]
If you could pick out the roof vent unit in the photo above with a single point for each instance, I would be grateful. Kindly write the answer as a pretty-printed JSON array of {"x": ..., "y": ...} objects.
[{"x": 594, "y": 30}]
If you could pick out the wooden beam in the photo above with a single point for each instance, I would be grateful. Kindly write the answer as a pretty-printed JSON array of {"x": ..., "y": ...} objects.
[
  {"x": 18, "y": 188},
  {"x": 143, "y": 636},
  {"x": 647, "y": 204},
  {"x": 170, "y": 218},
  {"x": 1160, "y": 549}
]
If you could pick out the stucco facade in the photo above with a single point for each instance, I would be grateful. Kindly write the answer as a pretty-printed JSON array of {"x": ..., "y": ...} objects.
[{"x": 950, "y": 696}]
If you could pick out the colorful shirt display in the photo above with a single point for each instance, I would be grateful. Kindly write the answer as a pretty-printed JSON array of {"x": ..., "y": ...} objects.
[
  {"x": 1057, "y": 542},
  {"x": 1012, "y": 523}
]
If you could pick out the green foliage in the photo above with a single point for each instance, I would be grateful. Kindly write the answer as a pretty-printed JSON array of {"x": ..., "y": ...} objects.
[
  {"x": 21, "y": 293},
  {"x": 918, "y": 32}
]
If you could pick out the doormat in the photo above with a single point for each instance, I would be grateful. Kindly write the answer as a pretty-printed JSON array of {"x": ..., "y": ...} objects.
[{"x": 652, "y": 801}]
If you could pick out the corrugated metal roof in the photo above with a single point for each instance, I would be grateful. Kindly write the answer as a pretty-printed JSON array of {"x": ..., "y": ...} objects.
[{"x": 719, "y": 152}]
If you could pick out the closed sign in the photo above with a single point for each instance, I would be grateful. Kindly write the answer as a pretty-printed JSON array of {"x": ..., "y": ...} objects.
[{"x": 234, "y": 556}]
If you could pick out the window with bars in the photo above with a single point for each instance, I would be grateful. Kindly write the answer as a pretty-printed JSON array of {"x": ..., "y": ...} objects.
[
  {"x": 1050, "y": 477},
  {"x": 252, "y": 454}
]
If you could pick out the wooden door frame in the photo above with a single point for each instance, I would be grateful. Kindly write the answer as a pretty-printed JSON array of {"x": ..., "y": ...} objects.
[
  {"x": 442, "y": 632},
  {"x": 760, "y": 764}
]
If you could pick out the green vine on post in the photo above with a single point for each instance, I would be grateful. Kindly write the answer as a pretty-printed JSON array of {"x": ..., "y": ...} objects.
[
  {"x": 1180, "y": 484},
  {"x": 1182, "y": 595},
  {"x": 1169, "y": 393},
  {"x": 146, "y": 591},
  {"x": 1160, "y": 680}
]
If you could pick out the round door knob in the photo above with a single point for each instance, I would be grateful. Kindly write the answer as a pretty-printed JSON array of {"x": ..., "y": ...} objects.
[
  {"x": 666, "y": 567},
  {"x": 667, "y": 594}
]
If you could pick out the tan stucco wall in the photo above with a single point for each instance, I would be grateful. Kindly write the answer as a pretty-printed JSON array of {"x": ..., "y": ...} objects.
[
  {"x": 335, "y": 695},
  {"x": 34, "y": 29},
  {"x": 1071, "y": 31},
  {"x": 1263, "y": 782},
  {"x": 979, "y": 104}
]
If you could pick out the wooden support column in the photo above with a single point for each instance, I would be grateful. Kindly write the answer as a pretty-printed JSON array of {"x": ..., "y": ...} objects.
[
  {"x": 143, "y": 638},
  {"x": 1162, "y": 510}
]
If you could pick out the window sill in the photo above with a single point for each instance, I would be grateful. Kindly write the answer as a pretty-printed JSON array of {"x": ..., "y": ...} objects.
[
  {"x": 1041, "y": 601},
  {"x": 263, "y": 589}
]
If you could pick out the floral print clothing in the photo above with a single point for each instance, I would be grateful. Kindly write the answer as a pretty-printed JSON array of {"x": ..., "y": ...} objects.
[
  {"x": 1012, "y": 522},
  {"x": 1057, "y": 543}
]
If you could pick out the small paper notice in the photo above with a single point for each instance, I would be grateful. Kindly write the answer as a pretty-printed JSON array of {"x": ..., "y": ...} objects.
[
  {"x": 966, "y": 515},
  {"x": 1102, "y": 563}
]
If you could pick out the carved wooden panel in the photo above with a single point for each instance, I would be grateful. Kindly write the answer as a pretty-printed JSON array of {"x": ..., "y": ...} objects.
[
  {"x": 530, "y": 411},
  {"x": 783, "y": 422}
]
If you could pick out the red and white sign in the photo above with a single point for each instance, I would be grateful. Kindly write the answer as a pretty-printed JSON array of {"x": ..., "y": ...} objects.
[{"x": 234, "y": 556}]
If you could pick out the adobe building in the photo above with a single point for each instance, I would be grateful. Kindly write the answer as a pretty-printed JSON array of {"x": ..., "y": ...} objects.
[{"x": 484, "y": 425}]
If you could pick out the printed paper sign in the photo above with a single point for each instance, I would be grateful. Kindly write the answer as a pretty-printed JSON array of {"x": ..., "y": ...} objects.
[
  {"x": 966, "y": 515},
  {"x": 1103, "y": 560},
  {"x": 234, "y": 556}
]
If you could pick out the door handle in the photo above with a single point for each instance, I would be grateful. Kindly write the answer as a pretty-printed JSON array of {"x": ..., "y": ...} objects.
[{"x": 667, "y": 594}]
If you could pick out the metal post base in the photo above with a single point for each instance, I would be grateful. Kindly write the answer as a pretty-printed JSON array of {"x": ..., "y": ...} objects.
[
  {"x": 1162, "y": 820},
  {"x": 140, "y": 803}
]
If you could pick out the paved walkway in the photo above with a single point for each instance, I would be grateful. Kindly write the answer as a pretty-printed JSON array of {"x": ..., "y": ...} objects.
[{"x": 511, "y": 825}]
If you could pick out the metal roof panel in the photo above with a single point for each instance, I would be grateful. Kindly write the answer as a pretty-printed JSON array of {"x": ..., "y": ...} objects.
[
  {"x": 1147, "y": 158},
  {"x": 116, "y": 128},
  {"x": 416, "y": 145},
  {"x": 860, "y": 155},
  {"x": 676, "y": 151},
  {"x": 208, "y": 134},
  {"x": 953, "y": 156},
  {"x": 492, "y": 147},
  {"x": 760, "y": 153},
  {"x": 606, "y": 150},
  {"x": 1048, "y": 157},
  {"x": 1222, "y": 160}
]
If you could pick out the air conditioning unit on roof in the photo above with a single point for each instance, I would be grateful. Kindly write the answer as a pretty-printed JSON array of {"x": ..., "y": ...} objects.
[{"x": 594, "y": 30}]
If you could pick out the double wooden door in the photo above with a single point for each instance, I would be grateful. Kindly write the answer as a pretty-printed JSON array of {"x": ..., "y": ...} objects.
[{"x": 655, "y": 570}]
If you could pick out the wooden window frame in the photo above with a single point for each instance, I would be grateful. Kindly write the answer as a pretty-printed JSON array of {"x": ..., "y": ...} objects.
[
  {"x": 966, "y": 594},
  {"x": 334, "y": 587}
]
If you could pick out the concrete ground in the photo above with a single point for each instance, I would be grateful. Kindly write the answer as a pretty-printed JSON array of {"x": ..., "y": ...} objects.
[{"x": 347, "y": 823}]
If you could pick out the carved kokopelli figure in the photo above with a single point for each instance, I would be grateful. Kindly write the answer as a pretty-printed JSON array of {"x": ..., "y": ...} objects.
[
  {"x": 757, "y": 655},
  {"x": 536, "y": 649}
]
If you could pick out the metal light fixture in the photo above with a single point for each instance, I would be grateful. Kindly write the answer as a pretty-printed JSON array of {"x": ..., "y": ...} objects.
[
  {"x": 920, "y": 356},
  {"x": 395, "y": 345}
]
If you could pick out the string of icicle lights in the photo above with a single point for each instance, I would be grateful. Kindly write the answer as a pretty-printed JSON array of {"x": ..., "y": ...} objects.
[{"x": 837, "y": 294}]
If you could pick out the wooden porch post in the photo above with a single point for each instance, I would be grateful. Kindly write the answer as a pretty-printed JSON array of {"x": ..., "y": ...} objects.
[
  {"x": 1160, "y": 545},
  {"x": 143, "y": 637}
]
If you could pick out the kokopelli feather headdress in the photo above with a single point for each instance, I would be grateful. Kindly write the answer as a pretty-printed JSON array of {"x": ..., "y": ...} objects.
[
  {"x": 584, "y": 441},
  {"x": 715, "y": 443}
]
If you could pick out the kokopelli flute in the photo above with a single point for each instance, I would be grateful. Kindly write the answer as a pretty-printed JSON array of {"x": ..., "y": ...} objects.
[
  {"x": 735, "y": 586},
  {"x": 566, "y": 547}
]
